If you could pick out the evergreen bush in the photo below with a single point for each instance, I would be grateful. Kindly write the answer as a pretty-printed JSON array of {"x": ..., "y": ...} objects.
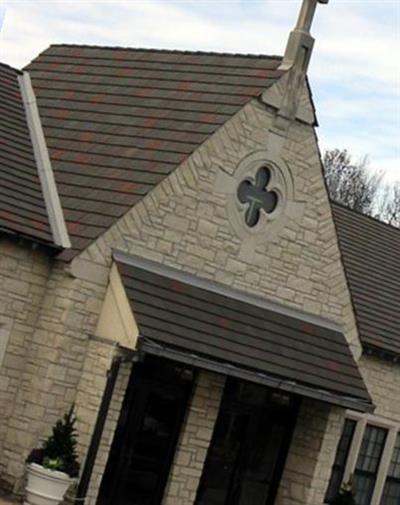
[{"x": 58, "y": 452}]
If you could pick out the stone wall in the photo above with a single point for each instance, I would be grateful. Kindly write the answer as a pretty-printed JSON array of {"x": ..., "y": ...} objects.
[
  {"x": 51, "y": 362},
  {"x": 309, "y": 463},
  {"x": 383, "y": 381},
  {"x": 185, "y": 222},
  {"x": 194, "y": 440},
  {"x": 23, "y": 276},
  {"x": 112, "y": 416}
]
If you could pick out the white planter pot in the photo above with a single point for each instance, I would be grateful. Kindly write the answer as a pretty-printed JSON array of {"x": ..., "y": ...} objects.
[{"x": 45, "y": 487}]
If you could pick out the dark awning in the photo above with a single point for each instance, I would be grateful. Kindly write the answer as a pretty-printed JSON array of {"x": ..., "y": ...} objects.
[{"x": 196, "y": 321}]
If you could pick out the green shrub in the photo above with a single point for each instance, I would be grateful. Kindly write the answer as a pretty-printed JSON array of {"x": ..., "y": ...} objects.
[{"x": 58, "y": 452}]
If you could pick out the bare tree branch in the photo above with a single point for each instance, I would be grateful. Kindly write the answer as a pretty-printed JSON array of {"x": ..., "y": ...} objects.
[
  {"x": 390, "y": 206},
  {"x": 351, "y": 184}
]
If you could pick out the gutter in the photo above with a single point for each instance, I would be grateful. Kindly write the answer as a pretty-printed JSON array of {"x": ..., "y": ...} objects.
[
  {"x": 53, "y": 205},
  {"x": 148, "y": 346}
]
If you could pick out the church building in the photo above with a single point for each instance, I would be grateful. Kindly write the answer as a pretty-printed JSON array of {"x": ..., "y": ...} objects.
[{"x": 171, "y": 265}]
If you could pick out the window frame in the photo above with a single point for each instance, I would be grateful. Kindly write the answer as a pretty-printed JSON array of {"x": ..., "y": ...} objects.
[
  {"x": 338, "y": 468},
  {"x": 390, "y": 478},
  {"x": 392, "y": 427}
]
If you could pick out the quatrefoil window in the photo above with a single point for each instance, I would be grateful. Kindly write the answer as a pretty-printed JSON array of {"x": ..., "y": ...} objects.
[{"x": 256, "y": 196}]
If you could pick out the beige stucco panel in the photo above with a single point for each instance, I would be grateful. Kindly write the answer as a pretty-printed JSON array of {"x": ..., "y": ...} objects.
[{"x": 116, "y": 321}]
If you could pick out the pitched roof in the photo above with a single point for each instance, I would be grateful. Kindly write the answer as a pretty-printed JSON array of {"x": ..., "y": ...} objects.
[
  {"x": 205, "y": 319},
  {"x": 118, "y": 121},
  {"x": 371, "y": 256},
  {"x": 22, "y": 206}
]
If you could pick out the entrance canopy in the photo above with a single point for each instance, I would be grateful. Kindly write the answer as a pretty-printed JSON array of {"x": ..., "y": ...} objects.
[{"x": 196, "y": 321}]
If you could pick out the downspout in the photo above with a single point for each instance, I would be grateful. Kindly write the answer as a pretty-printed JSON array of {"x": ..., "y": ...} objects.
[{"x": 112, "y": 375}]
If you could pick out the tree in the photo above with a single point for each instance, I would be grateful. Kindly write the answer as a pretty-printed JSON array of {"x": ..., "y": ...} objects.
[
  {"x": 351, "y": 184},
  {"x": 390, "y": 206}
]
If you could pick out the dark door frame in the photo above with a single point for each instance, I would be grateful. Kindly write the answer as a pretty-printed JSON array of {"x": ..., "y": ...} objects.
[
  {"x": 126, "y": 433},
  {"x": 289, "y": 422}
]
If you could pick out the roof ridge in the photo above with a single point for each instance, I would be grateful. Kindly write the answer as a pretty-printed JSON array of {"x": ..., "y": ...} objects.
[
  {"x": 174, "y": 51},
  {"x": 367, "y": 216},
  {"x": 6, "y": 65}
]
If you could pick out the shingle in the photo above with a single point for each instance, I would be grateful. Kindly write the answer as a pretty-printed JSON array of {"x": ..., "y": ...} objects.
[
  {"x": 371, "y": 256},
  {"x": 131, "y": 116},
  {"x": 173, "y": 309},
  {"x": 22, "y": 206}
]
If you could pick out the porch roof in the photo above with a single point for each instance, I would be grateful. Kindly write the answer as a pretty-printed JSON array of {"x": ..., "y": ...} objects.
[{"x": 213, "y": 326}]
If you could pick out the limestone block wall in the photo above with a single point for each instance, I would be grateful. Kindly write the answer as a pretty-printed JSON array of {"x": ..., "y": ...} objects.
[
  {"x": 23, "y": 277},
  {"x": 194, "y": 440},
  {"x": 192, "y": 446},
  {"x": 185, "y": 223},
  {"x": 112, "y": 416},
  {"x": 90, "y": 390},
  {"x": 309, "y": 463},
  {"x": 54, "y": 357},
  {"x": 383, "y": 381}
]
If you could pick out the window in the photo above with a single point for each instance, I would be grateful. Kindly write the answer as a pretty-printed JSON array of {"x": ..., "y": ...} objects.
[
  {"x": 367, "y": 465},
  {"x": 368, "y": 453},
  {"x": 391, "y": 492},
  {"x": 340, "y": 460},
  {"x": 256, "y": 197}
]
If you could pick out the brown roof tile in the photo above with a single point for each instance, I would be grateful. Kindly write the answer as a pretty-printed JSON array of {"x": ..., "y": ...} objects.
[
  {"x": 206, "y": 319},
  {"x": 371, "y": 256},
  {"x": 22, "y": 206},
  {"x": 118, "y": 121}
]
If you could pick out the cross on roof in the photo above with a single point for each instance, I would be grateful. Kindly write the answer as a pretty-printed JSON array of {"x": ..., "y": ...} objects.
[
  {"x": 306, "y": 15},
  {"x": 300, "y": 42}
]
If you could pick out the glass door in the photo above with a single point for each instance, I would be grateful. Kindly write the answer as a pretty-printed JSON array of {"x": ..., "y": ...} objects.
[
  {"x": 146, "y": 436},
  {"x": 249, "y": 446}
]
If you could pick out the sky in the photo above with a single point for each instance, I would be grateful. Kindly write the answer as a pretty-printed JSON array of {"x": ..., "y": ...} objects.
[{"x": 354, "y": 72}]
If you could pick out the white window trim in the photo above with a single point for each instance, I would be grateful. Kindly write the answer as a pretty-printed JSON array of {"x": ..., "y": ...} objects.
[{"x": 382, "y": 422}]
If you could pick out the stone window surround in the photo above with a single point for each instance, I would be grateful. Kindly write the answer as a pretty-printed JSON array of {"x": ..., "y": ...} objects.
[
  {"x": 280, "y": 182},
  {"x": 392, "y": 427}
]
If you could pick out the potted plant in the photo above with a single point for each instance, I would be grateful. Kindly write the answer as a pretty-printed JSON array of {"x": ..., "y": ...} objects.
[{"x": 54, "y": 467}]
